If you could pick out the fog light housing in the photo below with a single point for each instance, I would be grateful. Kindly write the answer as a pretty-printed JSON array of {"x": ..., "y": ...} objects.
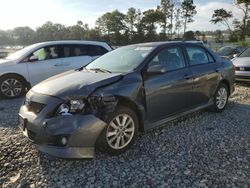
[{"x": 64, "y": 141}]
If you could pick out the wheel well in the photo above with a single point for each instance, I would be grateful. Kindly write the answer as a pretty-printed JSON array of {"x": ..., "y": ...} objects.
[
  {"x": 227, "y": 84},
  {"x": 27, "y": 84},
  {"x": 128, "y": 103}
]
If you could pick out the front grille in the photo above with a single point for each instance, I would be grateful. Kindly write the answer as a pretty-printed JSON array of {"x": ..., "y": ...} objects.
[
  {"x": 241, "y": 68},
  {"x": 34, "y": 107}
]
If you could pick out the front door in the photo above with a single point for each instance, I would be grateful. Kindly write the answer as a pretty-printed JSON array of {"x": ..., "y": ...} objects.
[
  {"x": 168, "y": 93},
  {"x": 47, "y": 64}
]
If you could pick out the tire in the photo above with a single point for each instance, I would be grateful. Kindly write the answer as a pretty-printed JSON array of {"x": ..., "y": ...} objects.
[
  {"x": 12, "y": 86},
  {"x": 220, "y": 98},
  {"x": 123, "y": 137}
]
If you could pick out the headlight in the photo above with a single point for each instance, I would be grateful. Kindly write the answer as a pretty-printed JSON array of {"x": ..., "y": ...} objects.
[
  {"x": 76, "y": 105},
  {"x": 73, "y": 106}
]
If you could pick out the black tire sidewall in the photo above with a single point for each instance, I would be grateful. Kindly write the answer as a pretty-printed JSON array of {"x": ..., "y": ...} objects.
[
  {"x": 2, "y": 79},
  {"x": 102, "y": 143}
]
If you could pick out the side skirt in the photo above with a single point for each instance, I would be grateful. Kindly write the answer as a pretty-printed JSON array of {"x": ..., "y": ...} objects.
[{"x": 148, "y": 125}]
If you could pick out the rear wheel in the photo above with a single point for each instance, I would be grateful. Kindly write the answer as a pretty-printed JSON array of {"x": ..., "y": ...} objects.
[
  {"x": 12, "y": 86},
  {"x": 120, "y": 133},
  {"x": 220, "y": 98}
]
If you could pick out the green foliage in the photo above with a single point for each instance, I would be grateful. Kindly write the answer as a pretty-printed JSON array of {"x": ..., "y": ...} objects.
[{"x": 188, "y": 12}]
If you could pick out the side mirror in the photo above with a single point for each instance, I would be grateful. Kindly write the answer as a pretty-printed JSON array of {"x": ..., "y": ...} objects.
[
  {"x": 33, "y": 58},
  {"x": 235, "y": 55},
  {"x": 156, "y": 69}
]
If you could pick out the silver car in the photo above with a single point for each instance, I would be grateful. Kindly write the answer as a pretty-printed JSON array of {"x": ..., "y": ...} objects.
[{"x": 242, "y": 65}]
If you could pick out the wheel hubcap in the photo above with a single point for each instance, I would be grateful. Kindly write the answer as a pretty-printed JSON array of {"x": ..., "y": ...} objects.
[
  {"x": 11, "y": 87},
  {"x": 221, "y": 98},
  {"x": 120, "y": 131}
]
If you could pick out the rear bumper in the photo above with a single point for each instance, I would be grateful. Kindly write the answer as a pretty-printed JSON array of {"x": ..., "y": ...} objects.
[{"x": 70, "y": 136}]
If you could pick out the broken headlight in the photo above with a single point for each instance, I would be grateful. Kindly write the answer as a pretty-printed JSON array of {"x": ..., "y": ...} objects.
[{"x": 72, "y": 106}]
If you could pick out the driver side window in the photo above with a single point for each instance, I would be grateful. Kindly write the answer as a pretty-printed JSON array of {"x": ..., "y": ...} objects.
[
  {"x": 46, "y": 53},
  {"x": 170, "y": 58}
]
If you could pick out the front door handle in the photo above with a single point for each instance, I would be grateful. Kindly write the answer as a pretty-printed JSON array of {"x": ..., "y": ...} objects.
[{"x": 57, "y": 65}]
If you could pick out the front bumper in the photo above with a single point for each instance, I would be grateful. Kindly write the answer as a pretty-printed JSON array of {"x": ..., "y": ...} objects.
[
  {"x": 242, "y": 75},
  {"x": 80, "y": 131}
]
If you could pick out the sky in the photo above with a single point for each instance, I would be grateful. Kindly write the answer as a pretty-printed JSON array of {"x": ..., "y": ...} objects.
[{"x": 34, "y": 13}]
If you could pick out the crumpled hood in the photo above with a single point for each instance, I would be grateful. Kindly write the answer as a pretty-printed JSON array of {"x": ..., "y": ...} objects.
[
  {"x": 242, "y": 61},
  {"x": 75, "y": 83}
]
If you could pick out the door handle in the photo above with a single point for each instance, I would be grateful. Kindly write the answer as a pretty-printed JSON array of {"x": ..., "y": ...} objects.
[
  {"x": 186, "y": 76},
  {"x": 217, "y": 70},
  {"x": 66, "y": 64},
  {"x": 57, "y": 65}
]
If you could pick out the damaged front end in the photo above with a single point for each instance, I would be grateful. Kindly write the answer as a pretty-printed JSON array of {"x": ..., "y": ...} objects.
[
  {"x": 100, "y": 106},
  {"x": 71, "y": 129}
]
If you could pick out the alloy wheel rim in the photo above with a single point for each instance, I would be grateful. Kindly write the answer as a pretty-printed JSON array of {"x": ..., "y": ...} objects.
[
  {"x": 221, "y": 98},
  {"x": 11, "y": 87},
  {"x": 120, "y": 131}
]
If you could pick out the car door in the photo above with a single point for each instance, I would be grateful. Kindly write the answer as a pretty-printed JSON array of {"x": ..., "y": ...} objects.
[
  {"x": 168, "y": 93},
  {"x": 206, "y": 73},
  {"x": 43, "y": 63},
  {"x": 75, "y": 56}
]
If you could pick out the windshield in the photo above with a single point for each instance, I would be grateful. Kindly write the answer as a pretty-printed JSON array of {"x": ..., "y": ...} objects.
[
  {"x": 20, "y": 53},
  {"x": 225, "y": 51},
  {"x": 122, "y": 60},
  {"x": 246, "y": 53}
]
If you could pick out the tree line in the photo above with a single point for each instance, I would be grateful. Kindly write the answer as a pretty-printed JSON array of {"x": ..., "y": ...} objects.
[{"x": 166, "y": 22}]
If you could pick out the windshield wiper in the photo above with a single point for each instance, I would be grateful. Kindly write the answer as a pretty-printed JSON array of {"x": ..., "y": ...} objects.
[{"x": 100, "y": 70}]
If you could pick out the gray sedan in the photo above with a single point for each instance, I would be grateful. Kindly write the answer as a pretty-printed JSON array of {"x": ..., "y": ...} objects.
[{"x": 242, "y": 65}]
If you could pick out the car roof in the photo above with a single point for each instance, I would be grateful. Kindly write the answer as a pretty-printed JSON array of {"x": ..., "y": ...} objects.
[
  {"x": 72, "y": 42},
  {"x": 156, "y": 44}
]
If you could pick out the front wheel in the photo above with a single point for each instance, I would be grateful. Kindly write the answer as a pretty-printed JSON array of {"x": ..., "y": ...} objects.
[
  {"x": 120, "y": 133},
  {"x": 220, "y": 98},
  {"x": 11, "y": 86}
]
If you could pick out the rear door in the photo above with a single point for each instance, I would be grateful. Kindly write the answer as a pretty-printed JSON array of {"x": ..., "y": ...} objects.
[
  {"x": 206, "y": 73},
  {"x": 168, "y": 93},
  {"x": 47, "y": 65},
  {"x": 78, "y": 55},
  {"x": 74, "y": 56}
]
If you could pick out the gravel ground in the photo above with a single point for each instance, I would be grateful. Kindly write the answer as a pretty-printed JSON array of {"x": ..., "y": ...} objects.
[{"x": 203, "y": 149}]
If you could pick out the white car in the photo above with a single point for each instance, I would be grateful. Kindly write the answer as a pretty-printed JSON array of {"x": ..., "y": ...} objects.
[
  {"x": 25, "y": 68},
  {"x": 242, "y": 65}
]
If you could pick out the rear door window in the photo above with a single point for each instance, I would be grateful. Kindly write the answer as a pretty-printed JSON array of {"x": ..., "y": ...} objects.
[
  {"x": 74, "y": 50},
  {"x": 198, "y": 56},
  {"x": 95, "y": 50}
]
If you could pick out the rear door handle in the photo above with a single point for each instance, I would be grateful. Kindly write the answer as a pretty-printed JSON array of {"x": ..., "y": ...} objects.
[
  {"x": 217, "y": 70},
  {"x": 187, "y": 76}
]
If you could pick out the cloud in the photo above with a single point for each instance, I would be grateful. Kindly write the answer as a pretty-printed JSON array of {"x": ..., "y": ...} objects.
[
  {"x": 205, "y": 12},
  {"x": 32, "y": 13}
]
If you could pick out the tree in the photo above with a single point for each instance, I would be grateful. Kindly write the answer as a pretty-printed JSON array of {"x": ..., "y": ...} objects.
[
  {"x": 24, "y": 35},
  {"x": 218, "y": 36},
  {"x": 149, "y": 20},
  {"x": 222, "y": 16},
  {"x": 188, "y": 12},
  {"x": 189, "y": 35},
  {"x": 131, "y": 20},
  {"x": 178, "y": 21},
  {"x": 244, "y": 5},
  {"x": 51, "y": 31}
]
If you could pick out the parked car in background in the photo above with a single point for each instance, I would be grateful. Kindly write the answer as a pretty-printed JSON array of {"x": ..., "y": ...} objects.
[
  {"x": 242, "y": 65},
  {"x": 130, "y": 89},
  {"x": 34, "y": 63},
  {"x": 229, "y": 52}
]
